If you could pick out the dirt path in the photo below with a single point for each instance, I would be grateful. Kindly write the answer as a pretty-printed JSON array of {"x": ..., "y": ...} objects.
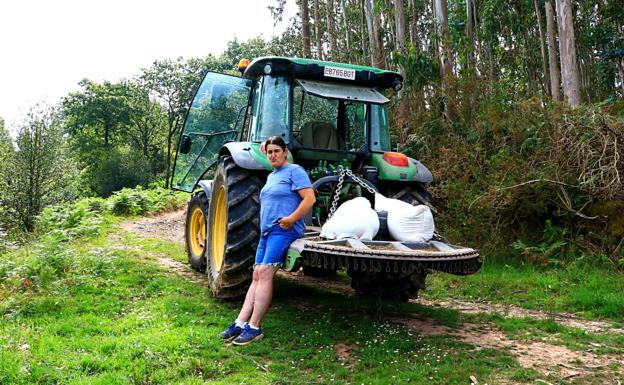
[{"x": 545, "y": 356}]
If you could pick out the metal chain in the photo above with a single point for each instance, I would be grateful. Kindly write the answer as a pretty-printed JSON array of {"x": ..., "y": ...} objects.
[
  {"x": 341, "y": 175},
  {"x": 357, "y": 179},
  {"x": 337, "y": 193}
]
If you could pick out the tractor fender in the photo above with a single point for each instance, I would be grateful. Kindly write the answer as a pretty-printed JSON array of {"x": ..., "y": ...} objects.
[
  {"x": 241, "y": 154},
  {"x": 423, "y": 175},
  {"x": 206, "y": 185}
]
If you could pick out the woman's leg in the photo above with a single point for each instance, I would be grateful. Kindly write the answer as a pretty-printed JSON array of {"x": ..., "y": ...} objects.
[
  {"x": 263, "y": 294},
  {"x": 250, "y": 297}
]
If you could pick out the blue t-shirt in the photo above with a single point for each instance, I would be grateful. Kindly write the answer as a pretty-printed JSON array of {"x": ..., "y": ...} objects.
[{"x": 279, "y": 197}]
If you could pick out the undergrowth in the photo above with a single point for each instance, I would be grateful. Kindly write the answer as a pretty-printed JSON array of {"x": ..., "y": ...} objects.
[
  {"x": 49, "y": 263},
  {"x": 532, "y": 179}
]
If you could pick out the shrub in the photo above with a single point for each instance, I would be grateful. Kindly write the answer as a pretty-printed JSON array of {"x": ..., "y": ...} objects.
[{"x": 140, "y": 201}]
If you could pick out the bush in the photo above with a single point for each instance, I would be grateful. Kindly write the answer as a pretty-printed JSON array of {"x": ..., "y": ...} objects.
[
  {"x": 82, "y": 218},
  {"x": 523, "y": 169},
  {"x": 139, "y": 201}
]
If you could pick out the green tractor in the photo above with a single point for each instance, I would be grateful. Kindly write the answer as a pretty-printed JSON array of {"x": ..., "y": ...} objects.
[{"x": 334, "y": 118}]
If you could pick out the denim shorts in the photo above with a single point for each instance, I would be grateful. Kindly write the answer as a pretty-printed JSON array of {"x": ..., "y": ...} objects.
[{"x": 273, "y": 246}]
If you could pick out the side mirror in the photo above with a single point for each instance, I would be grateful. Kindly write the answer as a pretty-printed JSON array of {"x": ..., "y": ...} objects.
[{"x": 185, "y": 144}]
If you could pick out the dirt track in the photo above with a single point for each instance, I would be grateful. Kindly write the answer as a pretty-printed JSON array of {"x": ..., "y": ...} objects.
[{"x": 545, "y": 356}]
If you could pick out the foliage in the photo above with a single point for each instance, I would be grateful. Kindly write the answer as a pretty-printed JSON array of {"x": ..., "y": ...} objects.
[
  {"x": 523, "y": 167},
  {"x": 39, "y": 172},
  {"x": 49, "y": 259},
  {"x": 139, "y": 201}
]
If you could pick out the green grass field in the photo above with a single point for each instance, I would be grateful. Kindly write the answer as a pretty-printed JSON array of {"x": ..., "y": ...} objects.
[{"x": 101, "y": 310}]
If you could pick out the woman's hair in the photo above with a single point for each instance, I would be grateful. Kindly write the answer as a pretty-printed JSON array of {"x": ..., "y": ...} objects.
[{"x": 277, "y": 140}]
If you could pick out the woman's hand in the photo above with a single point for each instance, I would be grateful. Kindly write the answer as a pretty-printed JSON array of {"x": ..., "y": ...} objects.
[
  {"x": 286, "y": 222},
  {"x": 307, "y": 201}
]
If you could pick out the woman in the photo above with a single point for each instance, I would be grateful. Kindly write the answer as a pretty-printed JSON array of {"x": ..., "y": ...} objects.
[{"x": 285, "y": 198}]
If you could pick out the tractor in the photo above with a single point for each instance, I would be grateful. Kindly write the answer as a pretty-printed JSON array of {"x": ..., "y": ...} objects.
[{"x": 334, "y": 118}]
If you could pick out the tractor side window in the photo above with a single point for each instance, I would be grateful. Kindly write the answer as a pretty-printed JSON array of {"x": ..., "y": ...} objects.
[
  {"x": 355, "y": 126},
  {"x": 270, "y": 109},
  {"x": 380, "y": 134}
]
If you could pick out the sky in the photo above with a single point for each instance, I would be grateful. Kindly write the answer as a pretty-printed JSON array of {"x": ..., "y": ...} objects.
[{"x": 48, "y": 46}]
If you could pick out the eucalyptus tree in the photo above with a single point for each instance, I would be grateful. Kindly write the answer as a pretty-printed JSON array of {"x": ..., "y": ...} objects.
[
  {"x": 567, "y": 48},
  {"x": 305, "y": 27},
  {"x": 553, "y": 65}
]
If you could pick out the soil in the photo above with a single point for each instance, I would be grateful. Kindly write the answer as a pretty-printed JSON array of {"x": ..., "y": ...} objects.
[{"x": 545, "y": 356}]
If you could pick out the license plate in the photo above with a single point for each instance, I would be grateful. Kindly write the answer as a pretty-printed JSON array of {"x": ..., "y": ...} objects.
[{"x": 339, "y": 73}]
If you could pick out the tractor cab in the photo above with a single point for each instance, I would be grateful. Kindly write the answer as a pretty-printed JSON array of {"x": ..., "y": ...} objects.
[{"x": 325, "y": 111}]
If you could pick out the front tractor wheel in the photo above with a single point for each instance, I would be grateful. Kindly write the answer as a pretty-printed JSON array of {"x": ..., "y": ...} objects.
[
  {"x": 233, "y": 229},
  {"x": 195, "y": 231}
]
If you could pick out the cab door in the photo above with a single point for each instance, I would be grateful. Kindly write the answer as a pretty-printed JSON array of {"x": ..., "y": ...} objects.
[{"x": 215, "y": 117}]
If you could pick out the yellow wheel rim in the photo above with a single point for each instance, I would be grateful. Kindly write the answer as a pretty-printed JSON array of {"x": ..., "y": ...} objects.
[
  {"x": 197, "y": 231},
  {"x": 219, "y": 229}
]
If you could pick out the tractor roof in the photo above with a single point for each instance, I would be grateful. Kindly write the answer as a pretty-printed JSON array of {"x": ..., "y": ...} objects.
[{"x": 324, "y": 70}]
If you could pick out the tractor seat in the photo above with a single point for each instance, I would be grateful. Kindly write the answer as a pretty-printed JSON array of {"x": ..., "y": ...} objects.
[{"x": 317, "y": 134}]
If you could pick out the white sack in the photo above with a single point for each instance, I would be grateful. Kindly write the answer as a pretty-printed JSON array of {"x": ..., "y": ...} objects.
[
  {"x": 353, "y": 219},
  {"x": 406, "y": 223}
]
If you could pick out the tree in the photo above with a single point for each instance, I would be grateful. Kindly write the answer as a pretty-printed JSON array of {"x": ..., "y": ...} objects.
[
  {"x": 318, "y": 34},
  {"x": 173, "y": 82},
  {"x": 552, "y": 51},
  {"x": 146, "y": 131},
  {"x": 6, "y": 156},
  {"x": 333, "y": 53},
  {"x": 538, "y": 16},
  {"x": 567, "y": 48},
  {"x": 399, "y": 16},
  {"x": 444, "y": 50},
  {"x": 41, "y": 171},
  {"x": 305, "y": 27},
  {"x": 372, "y": 22},
  {"x": 97, "y": 113}
]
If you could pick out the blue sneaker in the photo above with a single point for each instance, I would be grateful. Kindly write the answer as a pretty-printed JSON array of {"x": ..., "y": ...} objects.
[
  {"x": 248, "y": 335},
  {"x": 231, "y": 332}
]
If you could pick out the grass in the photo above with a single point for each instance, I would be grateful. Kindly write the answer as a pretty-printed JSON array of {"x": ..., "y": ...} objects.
[
  {"x": 125, "y": 320},
  {"x": 98, "y": 309},
  {"x": 594, "y": 293}
]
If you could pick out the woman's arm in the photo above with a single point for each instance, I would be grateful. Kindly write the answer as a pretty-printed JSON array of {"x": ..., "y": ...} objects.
[{"x": 307, "y": 201}]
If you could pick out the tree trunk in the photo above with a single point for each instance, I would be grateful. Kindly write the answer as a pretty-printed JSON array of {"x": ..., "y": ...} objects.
[
  {"x": 470, "y": 36},
  {"x": 305, "y": 27},
  {"x": 552, "y": 52},
  {"x": 567, "y": 48},
  {"x": 443, "y": 33},
  {"x": 331, "y": 32},
  {"x": 399, "y": 20},
  {"x": 412, "y": 25},
  {"x": 380, "y": 60},
  {"x": 538, "y": 15},
  {"x": 372, "y": 42},
  {"x": 345, "y": 23},
  {"x": 317, "y": 31}
]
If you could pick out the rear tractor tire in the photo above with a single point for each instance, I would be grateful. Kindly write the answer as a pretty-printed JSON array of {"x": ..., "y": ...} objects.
[
  {"x": 233, "y": 229},
  {"x": 195, "y": 231}
]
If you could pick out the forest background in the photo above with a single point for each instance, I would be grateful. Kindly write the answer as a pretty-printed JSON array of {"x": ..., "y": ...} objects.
[{"x": 516, "y": 106}]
